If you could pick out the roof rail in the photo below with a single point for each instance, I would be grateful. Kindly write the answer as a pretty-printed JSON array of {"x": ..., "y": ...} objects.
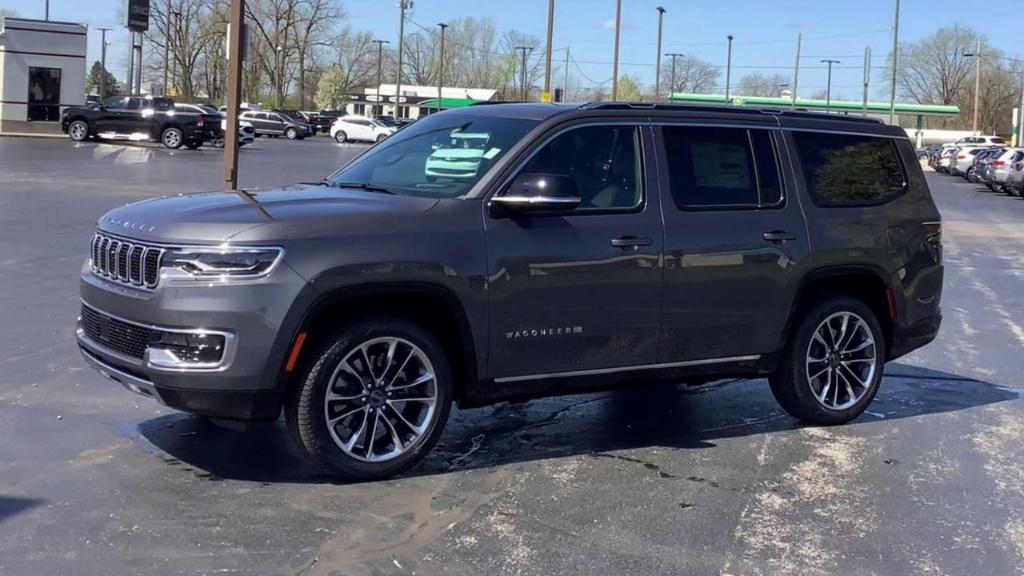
[{"x": 723, "y": 107}]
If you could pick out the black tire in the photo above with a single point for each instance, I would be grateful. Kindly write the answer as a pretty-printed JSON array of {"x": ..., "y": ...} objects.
[
  {"x": 340, "y": 137},
  {"x": 291, "y": 133},
  {"x": 193, "y": 144},
  {"x": 969, "y": 176},
  {"x": 790, "y": 384},
  {"x": 305, "y": 406},
  {"x": 381, "y": 137},
  {"x": 172, "y": 138},
  {"x": 79, "y": 130}
]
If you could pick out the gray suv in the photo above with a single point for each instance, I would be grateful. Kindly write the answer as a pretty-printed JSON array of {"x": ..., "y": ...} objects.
[{"x": 572, "y": 248}]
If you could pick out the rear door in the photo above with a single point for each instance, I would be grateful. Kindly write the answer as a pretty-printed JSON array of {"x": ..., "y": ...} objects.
[
  {"x": 130, "y": 120},
  {"x": 735, "y": 242},
  {"x": 580, "y": 290}
]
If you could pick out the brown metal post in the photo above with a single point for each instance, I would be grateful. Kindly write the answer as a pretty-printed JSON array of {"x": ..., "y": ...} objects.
[
  {"x": 167, "y": 43},
  {"x": 236, "y": 19}
]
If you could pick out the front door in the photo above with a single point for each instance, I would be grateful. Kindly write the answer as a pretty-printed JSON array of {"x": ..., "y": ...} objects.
[
  {"x": 580, "y": 290},
  {"x": 735, "y": 242},
  {"x": 110, "y": 111}
]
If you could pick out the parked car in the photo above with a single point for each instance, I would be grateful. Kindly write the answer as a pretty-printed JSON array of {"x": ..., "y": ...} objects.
[
  {"x": 587, "y": 252},
  {"x": 998, "y": 169},
  {"x": 1015, "y": 179},
  {"x": 979, "y": 170},
  {"x": 298, "y": 118},
  {"x": 322, "y": 120},
  {"x": 925, "y": 152},
  {"x": 963, "y": 161},
  {"x": 274, "y": 124},
  {"x": 980, "y": 141},
  {"x": 353, "y": 127},
  {"x": 139, "y": 116},
  {"x": 246, "y": 133},
  {"x": 945, "y": 164}
]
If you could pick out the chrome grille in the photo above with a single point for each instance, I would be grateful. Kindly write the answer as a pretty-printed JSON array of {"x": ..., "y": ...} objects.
[{"x": 124, "y": 261}]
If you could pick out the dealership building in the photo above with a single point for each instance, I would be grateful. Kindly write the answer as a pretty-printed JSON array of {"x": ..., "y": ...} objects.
[
  {"x": 42, "y": 71},
  {"x": 414, "y": 102}
]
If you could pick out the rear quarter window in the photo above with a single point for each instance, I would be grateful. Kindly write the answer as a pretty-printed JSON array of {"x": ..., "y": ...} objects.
[{"x": 847, "y": 170}]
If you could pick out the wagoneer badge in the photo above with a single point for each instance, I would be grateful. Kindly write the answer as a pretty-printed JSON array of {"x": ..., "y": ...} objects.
[{"x": 543, "y": 332}]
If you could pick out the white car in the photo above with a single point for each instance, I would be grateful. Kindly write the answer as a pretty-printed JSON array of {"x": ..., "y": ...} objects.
[
  {"x": 460, "y": 159},
  {"x": 980, "y": 141},
  {"x": 963, "y": 160},
  {"x": 349, "y": 128}
]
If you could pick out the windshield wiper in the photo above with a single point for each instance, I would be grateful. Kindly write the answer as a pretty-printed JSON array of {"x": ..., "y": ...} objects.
[{"x": 360, "y": 185}]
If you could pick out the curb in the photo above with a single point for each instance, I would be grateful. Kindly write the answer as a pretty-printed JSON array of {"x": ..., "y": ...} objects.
[{"x": 29, "y": 135}]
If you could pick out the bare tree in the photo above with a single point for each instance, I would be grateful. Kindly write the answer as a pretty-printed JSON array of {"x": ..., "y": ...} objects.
[
  {"x": 757, "y": 84},
  {"x": 691, "y": 75},
  {"x": 509, "y": 67},
  {"x": 315, "y": 23},
  {"x": 419, "y": 62}
]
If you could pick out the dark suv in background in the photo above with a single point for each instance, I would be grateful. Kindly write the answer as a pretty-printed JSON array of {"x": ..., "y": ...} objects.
[
  {"x": 572, "y": 248},
  {"x": 153, "y": 118}
]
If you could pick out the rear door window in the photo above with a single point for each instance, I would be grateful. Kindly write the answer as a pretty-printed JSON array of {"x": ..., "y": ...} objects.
[
  {"x": 721, "y": 167},
  {"x": 849, "y": 170}
]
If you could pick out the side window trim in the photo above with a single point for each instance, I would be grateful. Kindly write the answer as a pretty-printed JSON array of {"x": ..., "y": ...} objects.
[{"x": 637, "y": 126}]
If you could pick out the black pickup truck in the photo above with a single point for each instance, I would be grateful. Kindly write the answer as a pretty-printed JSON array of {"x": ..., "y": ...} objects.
[{"x": 130, "y": 116}]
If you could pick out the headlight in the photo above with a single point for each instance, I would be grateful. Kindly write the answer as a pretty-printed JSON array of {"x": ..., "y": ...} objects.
[{"x": 220, "y": 263}]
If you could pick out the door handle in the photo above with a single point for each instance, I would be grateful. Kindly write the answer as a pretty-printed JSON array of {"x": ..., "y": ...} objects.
[
  {"x": 779, "y": 236},
  {"x": 631, "y": 242}
]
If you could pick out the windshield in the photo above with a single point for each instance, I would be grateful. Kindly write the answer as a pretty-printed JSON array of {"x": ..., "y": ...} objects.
[{"x": 441, "y": 156}]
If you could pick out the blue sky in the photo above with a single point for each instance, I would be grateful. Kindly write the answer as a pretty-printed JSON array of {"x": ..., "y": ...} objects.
[{"x": 765, "y": 31}]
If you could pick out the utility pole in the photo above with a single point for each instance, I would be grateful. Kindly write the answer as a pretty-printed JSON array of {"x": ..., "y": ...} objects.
[
  {"x": 565, "y": 82},
  {"x": 657, "y": 65},
  {"x": 380, "y": 69},
  {"x": 403, "y": 6},
  {"x": 103, "y": 62},
  {"x": 130, "y": 81},
  {"x": 977, "y": 84},
  {"x": 796, "y": 69},
  {"x": 547, "y": 58},
  {"x": 828, "y": 89},
  {"x": 672, "y": 78},
  {"x": 522, "y": 71},
  {"x": 728, "y": 68},
  {"x": 174, "y": 53},
  {"x": 615, "y": 61},
  {"x": 47, "y": 10},
  {"x": 895, "y": 51},
  {"x": 167, "y": 44},
  {"x": 867, "y": 79},
  {"x": 440, "y": 71},
  {"x": 236, "y": 18}
]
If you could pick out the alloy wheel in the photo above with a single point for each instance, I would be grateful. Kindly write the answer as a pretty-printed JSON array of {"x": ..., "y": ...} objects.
[
  {"x": 79, "y": 131},
  {"x": 381, "y": 399},
  {"x": 172, "y": 138},
  {"x": 841, "y": 361}
]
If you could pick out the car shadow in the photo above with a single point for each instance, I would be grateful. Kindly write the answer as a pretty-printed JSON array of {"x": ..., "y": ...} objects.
[
  {"x": 11, "y": 506},
  {"x": 666, "y": 416}
]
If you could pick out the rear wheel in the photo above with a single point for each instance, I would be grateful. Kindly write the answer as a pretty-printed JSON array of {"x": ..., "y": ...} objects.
[
  {"x": 381, "y": 137},
  {"x": 970, "y": 175},
  {"x": 172, "y": 138},
  {"x": 78, "y": 130},
  {"x": 340, "y": 137},
  {"x": 833, "y": 363},
  {"x": 374, "y": 400}
]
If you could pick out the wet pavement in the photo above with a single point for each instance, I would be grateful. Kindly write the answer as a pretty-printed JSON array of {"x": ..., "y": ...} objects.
[{"x": 656, "y": 480}]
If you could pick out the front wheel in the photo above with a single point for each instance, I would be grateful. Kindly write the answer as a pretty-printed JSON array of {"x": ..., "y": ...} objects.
[
  {"x": 373, "y": 401},
  {"x": 291, "y": 133},
  {"x": 78, "y": 130},
  {"x": 833, "y": 363},
  {"x": 340, "y": 137},
  {"x": 172, "y": 138},
  {"x": 381, "y": 137}
]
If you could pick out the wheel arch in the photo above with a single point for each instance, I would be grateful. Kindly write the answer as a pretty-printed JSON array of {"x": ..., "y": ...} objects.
[
  {"x": 867, "y": 283},
  {"x": 434, "y": 307}
]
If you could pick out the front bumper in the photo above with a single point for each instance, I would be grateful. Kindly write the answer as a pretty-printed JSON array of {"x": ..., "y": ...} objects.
[{"x": 256, "y": 317}]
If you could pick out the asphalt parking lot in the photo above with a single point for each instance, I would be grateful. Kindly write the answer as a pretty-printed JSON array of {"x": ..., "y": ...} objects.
[{"x": 717, "y": 480}]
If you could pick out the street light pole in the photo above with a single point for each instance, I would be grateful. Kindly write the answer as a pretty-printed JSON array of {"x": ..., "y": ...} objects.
[
  {"x": 547, "y": 58},
  {"x": 895, "y": 52},
  {"x": 47, "y": 10},
  {"x": 403, "y": 5},
  {"x": 440, "y": 70},
  {"x": 380, "y": 69},
  {"x": 828, "y": 88},
  {"x": 977, "y": 84},
  {"x": 728, "y": 68},
  {"x": 796, "y": 69},
  {"x": 615, "y": 60},
  {"x": 867, "y": 79},
  {"x": 657, "y": 65}
]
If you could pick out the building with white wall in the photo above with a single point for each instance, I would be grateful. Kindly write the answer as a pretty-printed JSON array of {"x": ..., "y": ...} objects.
[
  {"x": 42, "y": 71},
  {"x": 415, "y": 101}
]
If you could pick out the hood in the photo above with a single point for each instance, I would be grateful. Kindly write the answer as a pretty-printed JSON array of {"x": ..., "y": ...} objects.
[{"x": 215, "y": 217}]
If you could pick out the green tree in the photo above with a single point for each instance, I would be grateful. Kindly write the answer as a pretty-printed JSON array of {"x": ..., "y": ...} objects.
[
  {"x": 96, "y": 79},
  {"x": 629, "y": 89},
  {"x": 332, "y": 90}
]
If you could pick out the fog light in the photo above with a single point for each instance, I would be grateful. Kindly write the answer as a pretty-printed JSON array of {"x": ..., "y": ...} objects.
[{"x": 183, "y": 350}]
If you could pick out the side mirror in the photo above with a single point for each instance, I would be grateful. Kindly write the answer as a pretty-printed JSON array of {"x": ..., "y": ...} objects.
[{"x": 539, "y": 193}]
